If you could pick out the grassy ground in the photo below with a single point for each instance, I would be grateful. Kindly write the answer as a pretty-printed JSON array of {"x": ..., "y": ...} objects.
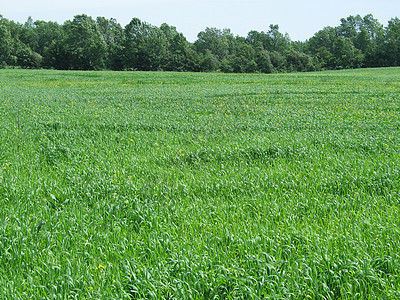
[{"x": 199, "y": 186}]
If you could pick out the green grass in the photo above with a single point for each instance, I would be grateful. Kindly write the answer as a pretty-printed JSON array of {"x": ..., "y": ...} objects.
[{"x": 199, "y": 186}]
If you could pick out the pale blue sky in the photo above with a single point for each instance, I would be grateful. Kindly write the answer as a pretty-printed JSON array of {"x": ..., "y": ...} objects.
[{"x": 301, "y": 19}]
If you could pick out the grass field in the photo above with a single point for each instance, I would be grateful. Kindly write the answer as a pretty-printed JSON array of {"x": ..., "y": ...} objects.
[{"x": 199, "y": 186}]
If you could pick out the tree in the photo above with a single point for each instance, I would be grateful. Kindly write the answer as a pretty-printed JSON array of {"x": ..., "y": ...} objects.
[
  {"x": 40, "y": 37},
  {"x": 208, "y": 62},
  {"x": 83, "y": 45},
  {"x": 6, "y": 44},
  {"x": 193, "y": 60},
  {"x": 28, "y": 35},
  {"x": 326, "y": 45},
  {"x": 145, "y": 46},
  {"x": 345, "y": 55},
  {"x": 26, "y": 57},
  {"x": 322, "y": 39},
  {"x": 113, "y": 35},
  {"x": 371, "y": 31},
  {"x": 392, "y": 41},
  {"x": 263, "y": 60},
  {"x": 280, "y": 42},
  {"x": 278, "y": 61},
  {"x": 260, "y": 39},
  {"x": 214, "y": 40},
  {"x": 243, "y": 60},
  {"x": 176, "y": 57},
  {"x": 350, "y": 27},
  {"x": 298, "y": 62}
]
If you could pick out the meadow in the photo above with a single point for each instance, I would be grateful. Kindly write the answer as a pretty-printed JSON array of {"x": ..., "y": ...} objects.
[{"x": 156, "y": 185}]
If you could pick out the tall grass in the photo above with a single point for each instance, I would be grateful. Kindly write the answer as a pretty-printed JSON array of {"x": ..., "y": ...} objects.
[{"x": 199, "y": 186}]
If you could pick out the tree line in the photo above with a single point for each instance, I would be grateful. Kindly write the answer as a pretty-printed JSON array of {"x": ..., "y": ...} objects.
[{"x": 84, "y": 43}]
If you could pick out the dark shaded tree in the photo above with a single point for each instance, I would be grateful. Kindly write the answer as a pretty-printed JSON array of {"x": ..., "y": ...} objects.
[
  {"x": 320, "y": 46},
  {"x": 260, "y": 39},
  {"x": 215, "y": 41},
  {"x": 279, "y": 42},
  {"x": 145, "y": 46},
  {"x": 208, "y": 62},
  {"x": 345, "y": 55},
  {"x": 391, "y": 44},
  {"x": 82, "y": 46},
  {"x": 86, "y": 44},
  {"x": 6, "y": 44},
  {"x": 278, "y": 61},
  {"x": 298, "y": 62},
  {"x": 176, "y": 57},
  {"x": 113, "y": 35},
  {"x": 263, "y": 60}
]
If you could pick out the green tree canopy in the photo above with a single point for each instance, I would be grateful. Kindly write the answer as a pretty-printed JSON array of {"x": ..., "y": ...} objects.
[
  {"x": 82, "y": 45},
  {"x": 145, "y": 46}
]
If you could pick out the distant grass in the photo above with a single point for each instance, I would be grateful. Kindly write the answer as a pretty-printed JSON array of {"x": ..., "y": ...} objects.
[{"x": 199, "y": 186}]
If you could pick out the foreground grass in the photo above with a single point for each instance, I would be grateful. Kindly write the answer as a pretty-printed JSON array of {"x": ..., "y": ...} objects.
[{"x": 191, "y": 186}]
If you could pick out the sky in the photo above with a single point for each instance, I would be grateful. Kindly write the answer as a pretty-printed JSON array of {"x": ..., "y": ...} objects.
[{"x": 300, "y": 19}]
